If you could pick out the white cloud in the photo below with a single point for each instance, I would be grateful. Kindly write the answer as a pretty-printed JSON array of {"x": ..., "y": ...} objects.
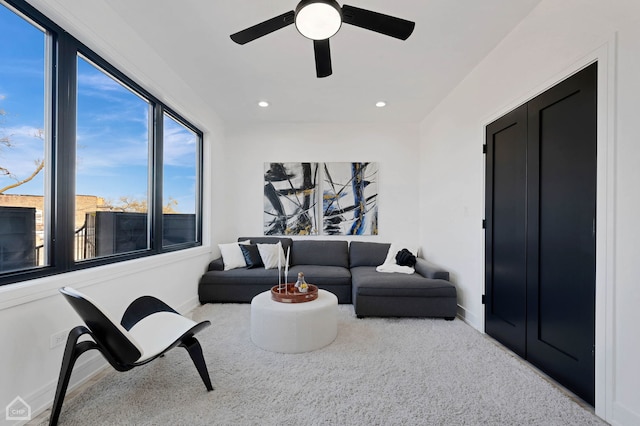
[
  {"x": 107, "y": 154},
  {"x": 23, "y": 67},
  {"x": 22, "y": 131},
  {"x": 98, "y": 81},
  {"x": 25, "y": 150},
  {"x": 179, "y": 146}
]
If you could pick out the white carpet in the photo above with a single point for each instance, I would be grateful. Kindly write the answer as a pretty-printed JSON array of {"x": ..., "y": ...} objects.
[{"x": 377, "y": 372}]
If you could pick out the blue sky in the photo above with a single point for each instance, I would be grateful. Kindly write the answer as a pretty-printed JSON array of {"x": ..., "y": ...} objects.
[
  {"x": 21, "y": 97},
  {"x": 112, "y": 132}
]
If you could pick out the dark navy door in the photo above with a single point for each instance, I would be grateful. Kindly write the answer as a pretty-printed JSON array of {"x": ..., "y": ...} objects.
[{"x": 540, "y": 234}]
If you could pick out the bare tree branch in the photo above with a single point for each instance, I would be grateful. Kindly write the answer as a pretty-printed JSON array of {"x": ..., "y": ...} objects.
[
  {"x": 40, "y": 166},
  {"x": 6, "y": 141}
]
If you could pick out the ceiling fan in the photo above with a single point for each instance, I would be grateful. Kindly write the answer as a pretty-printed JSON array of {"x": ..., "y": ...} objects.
[{"x": 319, "y": 20}]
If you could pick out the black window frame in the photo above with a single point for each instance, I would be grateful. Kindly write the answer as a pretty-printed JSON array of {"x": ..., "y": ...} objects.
[
  {"x": 159, "y": 166},
  {"x": 63, "y": 52}
]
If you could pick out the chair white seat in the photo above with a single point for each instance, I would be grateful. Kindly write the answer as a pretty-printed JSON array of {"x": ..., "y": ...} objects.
[{"x": 156, "y": 332}]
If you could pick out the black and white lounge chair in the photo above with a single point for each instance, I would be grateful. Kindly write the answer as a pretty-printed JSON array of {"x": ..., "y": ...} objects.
[{"x": 148, "y": 329}]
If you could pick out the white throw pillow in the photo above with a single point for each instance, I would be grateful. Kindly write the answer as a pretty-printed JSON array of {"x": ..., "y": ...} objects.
[
  {"x": 390, "y": 264},
  {"x": 270, "y": 254},
  {"x": 232, "y": 256},
  {"x": 395, "y": 248}
]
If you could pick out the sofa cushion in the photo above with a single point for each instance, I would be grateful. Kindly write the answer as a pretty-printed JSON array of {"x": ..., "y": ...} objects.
[
  {"x": 321, "y": 275},
  {"x": 286, "y": 242},
  {"x": 237, "y": 277},
  {"x": 325, "y": 253},
  {"x": 216, "y": 265},
  {"x": 367, "y": 281},
  {"x": 367, "y": 254}
]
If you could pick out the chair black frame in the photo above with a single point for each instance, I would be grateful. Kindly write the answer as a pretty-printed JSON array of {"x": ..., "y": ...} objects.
[{"x": 114, "y": 345}]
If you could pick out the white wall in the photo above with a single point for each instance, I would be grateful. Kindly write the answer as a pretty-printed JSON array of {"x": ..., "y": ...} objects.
[
  {"x": 30, "y": 312},
  {"x": 556, "y": 39},
  {"x": 394, "y": 147}
]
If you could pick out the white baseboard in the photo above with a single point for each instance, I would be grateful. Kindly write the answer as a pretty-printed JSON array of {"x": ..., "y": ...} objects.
[
  {"x": 623, "y": 416},
  {"x": 42, "y": 399},
  {"x": 187, "y": 307},
  {"x": 470, "y": 319}
]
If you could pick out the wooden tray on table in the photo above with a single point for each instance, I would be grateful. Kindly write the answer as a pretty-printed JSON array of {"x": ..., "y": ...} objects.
[{"x": 290, "y": 294}]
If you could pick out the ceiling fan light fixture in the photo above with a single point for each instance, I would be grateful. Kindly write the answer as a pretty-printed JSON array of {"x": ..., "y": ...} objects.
[{"x": 318, "y": 19}]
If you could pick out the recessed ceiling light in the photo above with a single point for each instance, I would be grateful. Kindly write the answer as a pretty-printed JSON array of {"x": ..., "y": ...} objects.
[
  {"x": 381, "y": 104},
  {"x": 263, "y": 104}
]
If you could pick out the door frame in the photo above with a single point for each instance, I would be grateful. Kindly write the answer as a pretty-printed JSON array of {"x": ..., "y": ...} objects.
[{"x": 605, "y": 55}]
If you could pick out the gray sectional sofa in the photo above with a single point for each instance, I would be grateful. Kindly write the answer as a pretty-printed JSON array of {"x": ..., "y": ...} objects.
[{"x": 346, "y": 270}]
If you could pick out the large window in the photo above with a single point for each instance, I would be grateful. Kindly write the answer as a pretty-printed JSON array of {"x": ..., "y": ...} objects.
[
  {"x": 180, "y": 183},
  {"x": 112, "y": 166},
  {"x": 23, "y": 139},
  {"x": 93, "y": 168}
]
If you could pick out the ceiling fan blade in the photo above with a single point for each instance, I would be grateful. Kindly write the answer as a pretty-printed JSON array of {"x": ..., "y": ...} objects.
[
  {"x": 378, "y": 22},
  {"x": 263, "y": 28},
  {"x": 323, "y": 58}
]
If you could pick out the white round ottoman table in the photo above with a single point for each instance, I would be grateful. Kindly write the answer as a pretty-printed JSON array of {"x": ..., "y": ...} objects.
[{"x": 294, "y": 327}]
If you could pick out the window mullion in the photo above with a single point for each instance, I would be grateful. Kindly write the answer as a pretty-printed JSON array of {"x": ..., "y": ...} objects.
[
  {"x": 199, "y": 185},
  {"x": 65, "y": 152},
  {"x": 155, "y": 185}
]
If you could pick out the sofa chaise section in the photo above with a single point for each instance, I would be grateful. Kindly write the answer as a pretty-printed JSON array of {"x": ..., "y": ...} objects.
[{"x": 425, "y": 293}]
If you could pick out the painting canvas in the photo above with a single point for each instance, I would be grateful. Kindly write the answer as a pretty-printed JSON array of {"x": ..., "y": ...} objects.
[
  {"x": 349, "y": 199},
  {"x": 290, "y": 198}
]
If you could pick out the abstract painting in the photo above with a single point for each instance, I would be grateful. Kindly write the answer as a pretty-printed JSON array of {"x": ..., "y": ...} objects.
[
  {"x": 349, "y": 199},
  {"x": 290, "y": 198}
]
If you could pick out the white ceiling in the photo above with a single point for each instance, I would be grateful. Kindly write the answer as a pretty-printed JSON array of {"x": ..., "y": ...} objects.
[{"x": 412, "y": 76}]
